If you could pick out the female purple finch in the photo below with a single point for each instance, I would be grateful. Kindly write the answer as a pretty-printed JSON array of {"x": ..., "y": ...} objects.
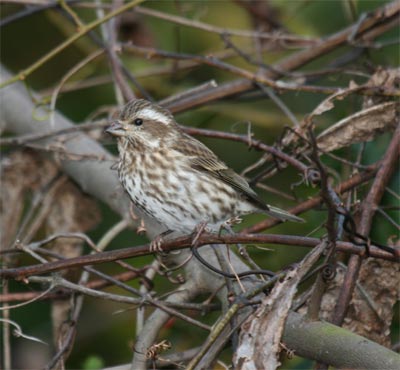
[{"x": 174, "y": 178}]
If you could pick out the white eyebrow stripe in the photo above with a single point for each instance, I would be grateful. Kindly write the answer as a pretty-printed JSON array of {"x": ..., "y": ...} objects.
[{"x": 153, "y": 115}]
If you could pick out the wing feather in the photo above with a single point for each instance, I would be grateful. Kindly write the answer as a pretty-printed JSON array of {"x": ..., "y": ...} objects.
[{"x": 203, "y": 159}]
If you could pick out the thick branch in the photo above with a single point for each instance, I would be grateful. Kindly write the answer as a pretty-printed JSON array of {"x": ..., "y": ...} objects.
[
  {"x": 321, "y": 341},
  {"x": 94, "y": 176}
]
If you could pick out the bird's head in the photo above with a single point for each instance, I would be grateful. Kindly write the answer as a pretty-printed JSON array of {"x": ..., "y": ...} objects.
[{"x": 141, "y": 121}]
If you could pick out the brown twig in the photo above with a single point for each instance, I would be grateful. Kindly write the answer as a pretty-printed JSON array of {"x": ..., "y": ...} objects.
[
  {"x": 330, "y": 198},
  {"x": 345, "y": 186},
  {"x": 185, "y": 242},
  {"x": 368, "y": 209},
  {"x": 94, "y": 284},
  {"x": 371, "y": 27},
  {"x": 232, "y": 32},
  {"x": 252, "y": 143},
  {"x": 109, "y": 30},
  {"x": 20, "y": 140},
  {"x": 253, "y": 78}
]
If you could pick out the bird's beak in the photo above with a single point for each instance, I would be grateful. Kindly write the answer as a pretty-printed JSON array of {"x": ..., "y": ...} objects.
[{"x": 115, "y": 129}]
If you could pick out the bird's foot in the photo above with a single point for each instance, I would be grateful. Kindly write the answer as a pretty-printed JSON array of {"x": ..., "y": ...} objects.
[
  {"x": 158, "y": 241},
  {"x": 227, "y": 225},
  {"x": 156, "y": 244},
  {"x": 233, "y": 221},
  {"x": 141, "y": 229}
]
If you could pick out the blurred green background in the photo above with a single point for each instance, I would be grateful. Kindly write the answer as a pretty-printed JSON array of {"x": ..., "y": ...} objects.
[{"x": 104, "y": 337}]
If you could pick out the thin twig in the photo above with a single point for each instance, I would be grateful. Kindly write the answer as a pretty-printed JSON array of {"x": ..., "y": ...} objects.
[{"x": 84, "y": 30}]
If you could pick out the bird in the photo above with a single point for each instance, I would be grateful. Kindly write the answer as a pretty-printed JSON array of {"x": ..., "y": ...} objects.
[{"x": 175, "y": 179}]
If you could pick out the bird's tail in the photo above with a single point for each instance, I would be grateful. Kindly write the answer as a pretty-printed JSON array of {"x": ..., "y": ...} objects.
[{"x": 282, "y": 215}]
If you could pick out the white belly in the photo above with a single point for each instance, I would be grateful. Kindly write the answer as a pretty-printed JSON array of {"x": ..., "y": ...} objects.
[{"x": 180, "y": 198}]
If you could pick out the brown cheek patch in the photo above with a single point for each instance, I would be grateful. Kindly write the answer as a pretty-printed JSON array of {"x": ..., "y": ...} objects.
[{"x": 156, "y": 129}]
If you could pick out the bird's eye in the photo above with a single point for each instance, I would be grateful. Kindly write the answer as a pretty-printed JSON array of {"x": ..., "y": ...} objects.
[{"x": 138, "y": 122}]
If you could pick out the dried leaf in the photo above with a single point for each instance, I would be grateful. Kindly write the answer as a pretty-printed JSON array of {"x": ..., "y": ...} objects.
[
  {"x": 383, "y": 78},
  {"x": 323, "y": 107},
  {"x": 371, "y": 309},
  {"x": 261, "y": 334},
  {"x": 353, "y": 85},
  {"x": 22, "y": 173},
  {"x": 326, "y": 105},
  {"x": 66, "y": 209},
  {"x": 359, "y": 127}
]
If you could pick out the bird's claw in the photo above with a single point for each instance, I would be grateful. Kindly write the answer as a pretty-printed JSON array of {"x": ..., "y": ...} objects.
[
  {"x": 233, "y": 221},
  {"x": 158, "y": 241},
  {"x": 228, "y": 223},
  {"x": 156, "y": 244}
]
